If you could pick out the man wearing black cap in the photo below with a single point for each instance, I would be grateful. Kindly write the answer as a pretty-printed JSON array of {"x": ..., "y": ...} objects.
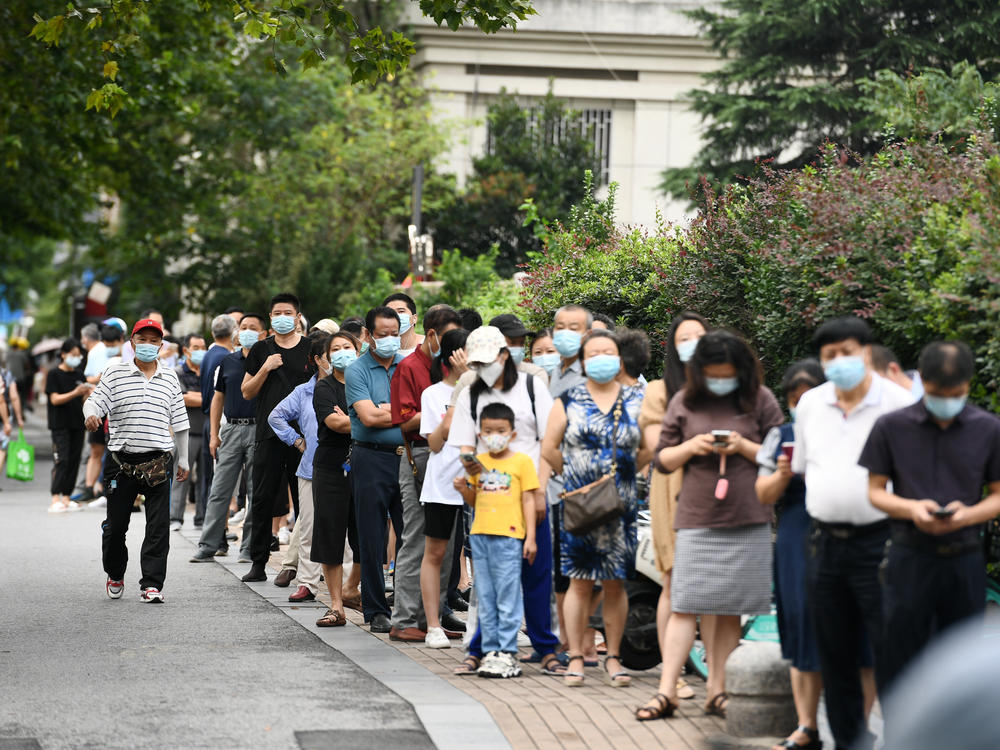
[{"x": 142, "y": 400}]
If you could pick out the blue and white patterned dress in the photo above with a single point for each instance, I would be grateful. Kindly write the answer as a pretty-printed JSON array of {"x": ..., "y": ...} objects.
[{"x": 608, "y": 552}]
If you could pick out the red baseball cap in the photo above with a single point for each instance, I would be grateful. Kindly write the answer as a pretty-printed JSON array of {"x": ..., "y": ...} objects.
[{"x": 146, "y": 323}]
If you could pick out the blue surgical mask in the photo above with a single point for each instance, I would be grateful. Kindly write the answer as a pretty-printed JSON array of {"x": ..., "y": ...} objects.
[
  {"x": 283, "y": 323},
  {"x": 685, "y": 349},
  {"x": 248, "y": 338},
  {"x": 944, "y": 408},
  {"x": 196, "y": 357},
  {"x": 516, "y": 354},
  {"x": 846, "y": 372},
  {"x": 722, "y": 386},
  {"x": 567, "y": 342},
  {"x": 404, "y": 323},
  {"x": 147, "y": 352},
  {"x": 342, "y": 359},
  {"x": 602, "y": 368},
  {"x": 435, "y": 353},
  {"x": 387, "y": 347},
  {"x": 364, "y": 347},
  {"x": 73, "y": 362},
  {"x": 548, "y": 362},
  {"x": 113, "y": 351}
]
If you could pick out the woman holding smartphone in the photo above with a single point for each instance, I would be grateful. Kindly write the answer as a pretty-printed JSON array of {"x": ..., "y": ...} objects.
[
  {"x": 722, "y": 561},
  {"x": 66, "y": 389}
]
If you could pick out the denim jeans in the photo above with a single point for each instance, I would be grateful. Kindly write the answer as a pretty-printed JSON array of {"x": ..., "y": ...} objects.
[
  {"x": 235, "y": 454},
  {"x": 498, "y": 590}
]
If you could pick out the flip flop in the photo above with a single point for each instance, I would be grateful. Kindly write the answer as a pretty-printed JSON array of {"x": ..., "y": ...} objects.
[{"x": 469, "y": 666}]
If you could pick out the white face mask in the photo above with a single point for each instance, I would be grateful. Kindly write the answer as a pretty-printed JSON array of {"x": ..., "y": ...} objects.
[
  {"x": 491, "y": 373},
  {"x": 496, "y": 442}
]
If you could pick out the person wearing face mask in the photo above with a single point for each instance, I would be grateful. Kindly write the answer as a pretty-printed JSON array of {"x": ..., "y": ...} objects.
[
  {"x": 412, "y": 378},
  {"x": 713, "y": 428},
  {"x": 143, "y": 403},
  {"x": 406, "y": 309},
  {"x": 66, "y": 388},
  {"x": 593, "y": 431},
  {"x": 832, "y": 425},
  {"x": 939, "y": 454},
  {"x": 275, "y": 366},
  {"x": 231, "y": 445},
  {"x": 189, "y": 375},
  {"x": 544, "y": 353},
  {"x": 682, "y": 338},
  {"x": 570, "y": 324},
  {"x": 499, "y": 381},
  {"x": 98, "y": 360},
  {"x": 376, "y": 451},
  {"x": 297, "y": 409},
  {"x": 223, "y": 328}
]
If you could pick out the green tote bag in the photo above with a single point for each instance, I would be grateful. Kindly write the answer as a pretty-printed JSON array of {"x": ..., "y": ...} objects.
[{"x": 21, "y": 459}]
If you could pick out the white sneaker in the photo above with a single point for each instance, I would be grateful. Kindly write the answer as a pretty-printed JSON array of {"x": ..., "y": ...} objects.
[
  {"x": 176, "y": 525},
  {"x": 238, "y": 517},
  {"x": 115, "y": 588},
  {"x": 523, "y": 641},
  {"x": 151, "y": 595},
  {"x": 284, "y": 537},
  {"x": 436, "y": 638},
  {"x": 489, "y": 666},
  {"x": 507, "y": 666},
  {"x": 58, "y": 508},
  {"x": 101, "y": 502}
]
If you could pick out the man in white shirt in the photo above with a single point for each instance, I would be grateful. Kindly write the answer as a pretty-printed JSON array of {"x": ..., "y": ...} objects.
[
  {"x": 143, "y": 402},
  {"x": 849, "y": 535}
]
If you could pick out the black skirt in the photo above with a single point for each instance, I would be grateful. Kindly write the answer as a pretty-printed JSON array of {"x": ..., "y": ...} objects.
[{"x": 333, "y": 514}]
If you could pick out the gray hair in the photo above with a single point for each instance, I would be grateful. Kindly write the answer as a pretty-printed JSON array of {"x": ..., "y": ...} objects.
[
  {"x": 222, "y": 327},
  {"x": 577, "y": 308},
  {"x": 90, "y": 332}
]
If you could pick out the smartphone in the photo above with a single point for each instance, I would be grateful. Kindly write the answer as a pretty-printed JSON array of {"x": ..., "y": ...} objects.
[
  {"x": 944, "y": 513},
  {"x": 470, "y": 458},
  {"x": 720, "y": 437}
]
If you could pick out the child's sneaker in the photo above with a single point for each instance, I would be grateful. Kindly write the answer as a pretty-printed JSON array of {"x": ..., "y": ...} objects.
[
  {"x": 499, "y": 666},
  {"x": 436, "y": 638},
  {"x": 490, "y": 665},
  {"x": 508, "y": 665}
]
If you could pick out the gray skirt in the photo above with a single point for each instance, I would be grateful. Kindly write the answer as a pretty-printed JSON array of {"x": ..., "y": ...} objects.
[{"x": 722, "y": 571}]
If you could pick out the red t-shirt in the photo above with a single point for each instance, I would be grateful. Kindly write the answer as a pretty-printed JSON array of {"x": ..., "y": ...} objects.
[{"x": 412, "y": 378}]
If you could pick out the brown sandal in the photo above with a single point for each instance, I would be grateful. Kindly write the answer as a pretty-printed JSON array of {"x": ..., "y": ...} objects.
[
  {"x": 663, "y": 709},
  {"x": 469, "y": 666},
  {"x": 332, "y": 619},
  {"x": 353, "y": 602},
  {"x": 717, "y": 706}
]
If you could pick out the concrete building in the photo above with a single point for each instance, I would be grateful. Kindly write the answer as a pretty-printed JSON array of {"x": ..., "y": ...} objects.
[{"x": 624, "y": 63}]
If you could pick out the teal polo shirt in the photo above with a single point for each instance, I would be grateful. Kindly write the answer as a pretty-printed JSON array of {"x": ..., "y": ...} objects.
[{"x": 367, "y": 380}]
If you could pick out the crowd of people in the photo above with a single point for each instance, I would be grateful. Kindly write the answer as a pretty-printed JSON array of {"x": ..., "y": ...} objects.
[{"x": 520, "y": 459}]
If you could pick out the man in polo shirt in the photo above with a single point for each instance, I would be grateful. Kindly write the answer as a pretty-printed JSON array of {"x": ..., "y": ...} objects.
[
  {"x": 570, "y": 325},
  {"x": 231, "y": 444},
  {"x": 189, "y": 375},
  {"x": 376, "y": 448},
  {"x": 143, "y": 401},
  {"x": 274, "y": 367},
  {"x": 412, "y": 378},
  {"x": 832, "y": 425},
  {"x": 938, "y": 454}
]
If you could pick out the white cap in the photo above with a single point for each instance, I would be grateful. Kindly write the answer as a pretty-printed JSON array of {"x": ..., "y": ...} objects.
[
  {"x": 327, "y": 326},
  {"x": 484, "y": 344}
]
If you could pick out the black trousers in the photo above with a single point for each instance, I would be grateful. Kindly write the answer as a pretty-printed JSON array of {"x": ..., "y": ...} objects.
[
  {"x": 67, "y": 446},
  {"x": 121, "y": 491},
  {"x": 922, "y": 595},
  {"x": 206, "y": 470},
  {"x": 845, "y": 598},
  {"x": 375, "y": 478},
  {"x": 272, "y": 460}
]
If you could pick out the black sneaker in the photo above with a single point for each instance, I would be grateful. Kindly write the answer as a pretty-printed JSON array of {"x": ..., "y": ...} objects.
[{"x": 275, "y": 545}]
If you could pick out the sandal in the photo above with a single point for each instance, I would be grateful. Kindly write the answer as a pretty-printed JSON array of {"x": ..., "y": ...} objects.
[
  {"x": 332, "y": 619},
  {"x": 353, "y": 602},
  {"x": 621, "y": 678},
  {"x": 571, "y": 678},
  {"x": 814, "y": 741},
  {"x": 717, "y": 706},
  {"x": 552, "y": 665},
  {"x": 469, "y": 665},
  {"x": 663, "y": 709},
  {"x": 684, "y": 691}
]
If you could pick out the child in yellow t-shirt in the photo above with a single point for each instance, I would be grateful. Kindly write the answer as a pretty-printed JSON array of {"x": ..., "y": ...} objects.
[{"x": 502, "y": 492}]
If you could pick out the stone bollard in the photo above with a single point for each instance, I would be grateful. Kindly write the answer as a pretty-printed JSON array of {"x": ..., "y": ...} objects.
[{"x": 760, "y": 692}]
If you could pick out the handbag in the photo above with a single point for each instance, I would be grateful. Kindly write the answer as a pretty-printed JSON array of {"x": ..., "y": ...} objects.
[
  {"x": 21, "y": 459},
  {"x": 597, "y": 503}
]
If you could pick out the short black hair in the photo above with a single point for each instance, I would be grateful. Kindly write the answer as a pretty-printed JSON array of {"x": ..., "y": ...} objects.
[
  {"x": 353, "y": 324},
  {"x": 264, "y": 322},
  {"x": 229, "y": 310},
  {"x": 947, "y": 363},
  {"x": 451, "y": 342},
  {"x": 882, "y": 357},
  {"x": 808, "y": 372},
  {"x": 186, "y": 341},
  {"x": 400, "y": 297},
  {"x": 841, "y": 329},
  {"x": 319, "y": 344},
  {"x": 379, "y": 312},
  {"x": 497, "y": 410},
  {"x": 149, "y": 311},
  {"x": 69, "y": 344},
  {"x": 112, "y": 333},
  {"x": 471, "y": 320},
  {"x": 286, "y": 297},
  {"x": 633, "y": 348},
  {"x": 606, "y": 319},
  {"x": 441, "y": 316}
]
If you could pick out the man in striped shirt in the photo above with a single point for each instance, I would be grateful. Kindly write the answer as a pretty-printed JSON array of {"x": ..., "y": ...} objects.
[{"x": 143, "y": 403}]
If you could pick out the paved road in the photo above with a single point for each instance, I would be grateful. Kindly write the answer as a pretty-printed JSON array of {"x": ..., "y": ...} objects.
[{"x": 216, "y": 666}]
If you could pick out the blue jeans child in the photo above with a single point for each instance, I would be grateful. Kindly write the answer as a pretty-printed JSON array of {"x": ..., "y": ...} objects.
[{"x": 498, "y": 590}]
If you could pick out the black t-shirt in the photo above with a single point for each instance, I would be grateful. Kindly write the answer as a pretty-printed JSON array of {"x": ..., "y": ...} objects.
[
  {"x": 295, "y": 369},
  {"x": 68, "y": 416},
  {"x": 331, "y": 447},
  {"x": 191, "y": 381},
  {"x": 229, "y": 382}
]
